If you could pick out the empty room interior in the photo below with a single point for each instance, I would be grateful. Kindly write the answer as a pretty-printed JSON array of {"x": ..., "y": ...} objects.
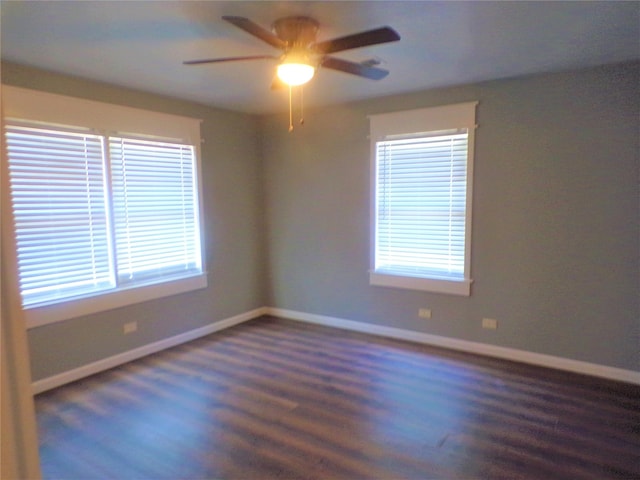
[{"x": 421, "y": 261}]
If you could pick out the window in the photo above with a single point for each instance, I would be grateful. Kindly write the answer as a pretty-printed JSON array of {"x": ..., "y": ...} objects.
[
  {"x": 154, "y": 209},
  {"x": 101, "y": 219},
  {"x": 58, "y": 199},
  {"x": 422, "y": 162}
]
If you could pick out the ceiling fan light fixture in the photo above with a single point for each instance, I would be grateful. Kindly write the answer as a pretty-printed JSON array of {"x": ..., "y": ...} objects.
[
  {"x": 295, "y": 74},
  {"x": 296, "y": 69}
]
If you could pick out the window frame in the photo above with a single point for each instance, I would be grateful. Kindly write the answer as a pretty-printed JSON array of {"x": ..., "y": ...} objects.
[
  {"x": 414, "y": 123},
  {"x": 109, "y": 120}
]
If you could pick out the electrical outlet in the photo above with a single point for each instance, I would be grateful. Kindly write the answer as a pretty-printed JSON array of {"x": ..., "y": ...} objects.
[
  {"x": 490, "y": 323},
  {"x": 130, "y": 327},
  {"x": 424, "y": 312}
]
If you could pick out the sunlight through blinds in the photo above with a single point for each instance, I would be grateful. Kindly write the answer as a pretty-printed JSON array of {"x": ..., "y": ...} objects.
[
  {"x": 421, "y": 206},
  {"x": 59, "y": 205},
  {"x": 155, "y": 208}
]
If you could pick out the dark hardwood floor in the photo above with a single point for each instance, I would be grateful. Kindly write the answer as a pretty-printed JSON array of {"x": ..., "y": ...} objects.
[{"x": 279, "y": 399}]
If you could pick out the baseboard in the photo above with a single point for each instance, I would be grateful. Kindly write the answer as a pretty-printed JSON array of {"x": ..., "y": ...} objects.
[
  {"x": 558, "y": 363},
  {"x": 121, "y": 358},
  {"x": 550, "y": 361}
]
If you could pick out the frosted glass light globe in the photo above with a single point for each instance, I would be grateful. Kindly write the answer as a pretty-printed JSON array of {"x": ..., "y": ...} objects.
[{"x": 295, "y": 73}]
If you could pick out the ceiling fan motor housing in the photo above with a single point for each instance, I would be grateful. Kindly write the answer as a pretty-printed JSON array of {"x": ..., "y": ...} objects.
[{"x": 297, "y": 32}]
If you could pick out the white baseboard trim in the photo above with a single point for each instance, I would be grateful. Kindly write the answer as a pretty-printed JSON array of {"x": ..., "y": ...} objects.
[
  {"x": 558, "y": 363},
  {"x": 523, "y": 356},
  {"x": 48, "y": 383}
]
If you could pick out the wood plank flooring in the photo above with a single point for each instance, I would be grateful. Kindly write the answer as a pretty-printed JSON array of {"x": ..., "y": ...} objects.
[{"x": 277, "y": 399}]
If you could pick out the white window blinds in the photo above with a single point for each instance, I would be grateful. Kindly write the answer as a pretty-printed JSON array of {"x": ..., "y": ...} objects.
[
  {"x": 58, "y": 192},
  {"x": 95, "y": 213},
  {"x": 154, "y": 206},
  {"x": 422, "y": 171},
  {"x": 103, "y": 218},
  {"x": 421, "y": 192}
]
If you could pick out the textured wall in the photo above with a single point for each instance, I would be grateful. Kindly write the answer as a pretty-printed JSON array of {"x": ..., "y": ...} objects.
[
  {"x": 232, "y": 185},
  {"x": 555, "y": 252}
]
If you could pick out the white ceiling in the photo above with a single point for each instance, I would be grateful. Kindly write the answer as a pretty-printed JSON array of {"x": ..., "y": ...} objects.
[{"x": 141, "y": 44}]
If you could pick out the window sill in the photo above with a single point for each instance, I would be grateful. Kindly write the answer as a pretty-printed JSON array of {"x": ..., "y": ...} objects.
[
  {"x": 451, "y": 287},
  {"x": 40, "y": 315}
]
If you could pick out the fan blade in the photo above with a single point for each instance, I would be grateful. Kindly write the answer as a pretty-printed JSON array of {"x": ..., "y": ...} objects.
[
  {"x": 372, "y": 73},
  {"x": 229, "y": 59},
  {"x": 256, "y": 30},
  {"x": 357, "y": 40}
]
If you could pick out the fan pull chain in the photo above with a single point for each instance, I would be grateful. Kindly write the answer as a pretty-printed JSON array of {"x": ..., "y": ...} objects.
[
  {"x": 301, "y": 105},
  {"x": 290, "y": 111},
  {"x": 291, "y": 107}
]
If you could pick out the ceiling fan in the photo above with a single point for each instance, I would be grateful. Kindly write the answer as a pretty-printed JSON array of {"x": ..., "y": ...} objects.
[{"x": 302, "y": 55}]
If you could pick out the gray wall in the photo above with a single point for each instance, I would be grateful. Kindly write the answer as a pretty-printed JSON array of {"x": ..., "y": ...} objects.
[
  {"x": 233, "y": 217},
  {"x": 556, "y": 240},
  {"x": 556, "y": 236}
]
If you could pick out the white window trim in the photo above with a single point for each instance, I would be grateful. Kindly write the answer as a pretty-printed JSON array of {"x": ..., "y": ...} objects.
[
  {"x": 55, "y": 312},
  {"x": 53, "y": 109},
  {"x": 415, "y": 122}
]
